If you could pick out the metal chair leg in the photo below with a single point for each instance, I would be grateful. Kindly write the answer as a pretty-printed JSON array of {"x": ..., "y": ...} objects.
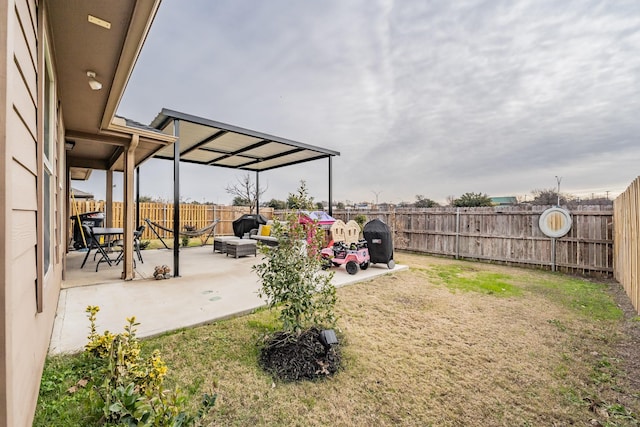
[
  {"x": 86, "y": 256},
  {"x": 137, "y": 248}
]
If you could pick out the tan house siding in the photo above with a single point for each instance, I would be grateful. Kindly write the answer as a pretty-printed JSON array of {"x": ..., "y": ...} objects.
[
  {"x": 33, "y": 171},
  {"x": 25, "y": 331},
  {"x": 4, "y": 273}
]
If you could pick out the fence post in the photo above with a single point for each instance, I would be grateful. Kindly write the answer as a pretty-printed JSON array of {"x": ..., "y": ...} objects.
[
  {"x": 457, "y": 233},
  {"x": 164, "y": 219},
  {"x": 392, "y": 220}
]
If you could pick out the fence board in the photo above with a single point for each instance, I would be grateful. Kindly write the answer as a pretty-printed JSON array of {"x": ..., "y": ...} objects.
[
  {"x": 198, "y": 216},
  {"x": 626, "y": 220},
  {"x": 504, "y": 234}
]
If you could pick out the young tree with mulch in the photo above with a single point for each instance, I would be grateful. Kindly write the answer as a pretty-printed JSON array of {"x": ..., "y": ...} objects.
[{"x": 293, "y": 282}]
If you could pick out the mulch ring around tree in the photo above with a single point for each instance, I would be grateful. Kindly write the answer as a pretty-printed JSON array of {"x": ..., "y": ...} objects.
[{"x": 293, "y": 358}]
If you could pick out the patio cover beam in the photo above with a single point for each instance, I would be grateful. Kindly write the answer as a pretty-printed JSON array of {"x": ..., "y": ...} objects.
[
  {"x": 243, "y": 167},
  {"x": 296, "y": 162},
  {"x": 87, "y": 163},
  {"x": 119, "y": 140},
  {"x": 275, "y": 156},
  {"x": 164, "y": 119},
  {"x": 205, "y": 141},
  {"x": 116, "y": 156},
  {"x": 241, "y": 151}
]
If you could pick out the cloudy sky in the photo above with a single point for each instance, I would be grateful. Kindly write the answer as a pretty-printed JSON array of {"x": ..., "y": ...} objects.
[{"x": 436, "y": 98}]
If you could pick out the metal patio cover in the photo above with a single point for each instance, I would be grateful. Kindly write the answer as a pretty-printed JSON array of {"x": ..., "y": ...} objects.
[
  {"x": 212, "y": 143},
  {"x": 208, "y": 142}
]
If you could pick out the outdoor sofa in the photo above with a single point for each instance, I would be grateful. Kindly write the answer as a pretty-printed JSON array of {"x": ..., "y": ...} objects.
[{"x": 263, "y": 234}]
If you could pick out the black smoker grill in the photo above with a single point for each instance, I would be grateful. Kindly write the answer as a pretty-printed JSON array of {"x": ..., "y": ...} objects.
[
  {"x": 379, "y": 242},
  {"x": 246, "y": 223}
]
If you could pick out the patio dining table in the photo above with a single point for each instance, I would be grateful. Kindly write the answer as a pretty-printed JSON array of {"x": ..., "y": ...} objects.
[{"x": 109, "y": 234}]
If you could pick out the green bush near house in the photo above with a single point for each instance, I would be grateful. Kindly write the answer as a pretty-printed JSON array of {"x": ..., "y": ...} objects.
[{"x": 113, "y": 383}]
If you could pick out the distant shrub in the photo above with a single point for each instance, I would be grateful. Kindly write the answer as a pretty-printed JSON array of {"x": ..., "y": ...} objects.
[{"x": 361, "y": 220}]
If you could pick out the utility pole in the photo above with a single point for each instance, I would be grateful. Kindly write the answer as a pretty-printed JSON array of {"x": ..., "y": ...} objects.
[
  {"x": 558, "y": 180},
  {"x": 607, "y": 194},
  {"x": 377, "y": 193}
]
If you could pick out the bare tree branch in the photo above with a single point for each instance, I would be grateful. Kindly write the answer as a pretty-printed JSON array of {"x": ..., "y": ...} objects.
[{"x": 245, "y": 192}]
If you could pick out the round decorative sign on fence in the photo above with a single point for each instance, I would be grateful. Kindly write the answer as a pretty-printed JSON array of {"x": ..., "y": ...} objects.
[{"x": 555, "y": 222}]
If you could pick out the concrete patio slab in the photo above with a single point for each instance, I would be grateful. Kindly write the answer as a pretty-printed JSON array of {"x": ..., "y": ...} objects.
[{"x": 212, "y": 286}]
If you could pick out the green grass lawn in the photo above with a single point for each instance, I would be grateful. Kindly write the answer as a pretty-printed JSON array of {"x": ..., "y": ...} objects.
[{"x": 446, "y": 343}]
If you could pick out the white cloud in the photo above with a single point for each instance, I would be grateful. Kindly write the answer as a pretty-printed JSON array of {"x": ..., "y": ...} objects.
[{"x": 432, "y": 98}]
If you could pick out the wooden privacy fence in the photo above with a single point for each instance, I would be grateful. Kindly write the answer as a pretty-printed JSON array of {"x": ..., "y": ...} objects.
[
  {"x": 504, "y": 234},
  {"x": 191, "y": 215},
  {"x": 626, "y": 215}
]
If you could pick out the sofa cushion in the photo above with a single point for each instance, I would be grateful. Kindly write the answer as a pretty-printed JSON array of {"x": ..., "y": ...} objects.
[
  {"x": 264, "y": 238},
  {"x": 264, "y": 230}
]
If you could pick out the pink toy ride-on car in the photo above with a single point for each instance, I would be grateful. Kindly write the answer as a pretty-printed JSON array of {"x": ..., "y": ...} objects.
[{"x": 352, "y": 256}]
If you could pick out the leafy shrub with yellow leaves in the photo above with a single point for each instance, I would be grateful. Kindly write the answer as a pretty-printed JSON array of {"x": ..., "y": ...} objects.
[{"x": 131, "y": 388}]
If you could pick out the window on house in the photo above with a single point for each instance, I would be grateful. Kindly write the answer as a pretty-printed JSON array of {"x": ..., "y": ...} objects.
[{"x": 49, "y": 124}]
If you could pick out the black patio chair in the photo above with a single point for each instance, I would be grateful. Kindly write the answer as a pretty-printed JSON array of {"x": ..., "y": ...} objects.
[
  {"x": 137, "y": 234},
  {"x": 93, "y": 243}
]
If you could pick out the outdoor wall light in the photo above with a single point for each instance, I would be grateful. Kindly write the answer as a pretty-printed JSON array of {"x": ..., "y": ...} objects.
[
  {"x": 68, "y": 145},
  {"x": 95, "y": 85}
]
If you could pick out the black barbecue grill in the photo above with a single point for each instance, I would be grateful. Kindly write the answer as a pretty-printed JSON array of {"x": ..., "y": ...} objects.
[{"x": 379, "y": 242}]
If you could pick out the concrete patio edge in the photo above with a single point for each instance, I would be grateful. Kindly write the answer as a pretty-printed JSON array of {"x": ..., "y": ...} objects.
[{"x": 213, "y": 288}]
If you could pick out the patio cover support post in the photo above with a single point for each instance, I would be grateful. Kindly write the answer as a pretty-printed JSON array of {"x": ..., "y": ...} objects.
[
  {"x": 330, "y": 187},
  {"x": 69, "y": 212},
  {"x": 108, "y": 206},
  {"x": 176, "y": 199},
  {"x": 137, "y": 197},
  {"x": 257, "y": 193},
  {"x": 128, "y": 198}
]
